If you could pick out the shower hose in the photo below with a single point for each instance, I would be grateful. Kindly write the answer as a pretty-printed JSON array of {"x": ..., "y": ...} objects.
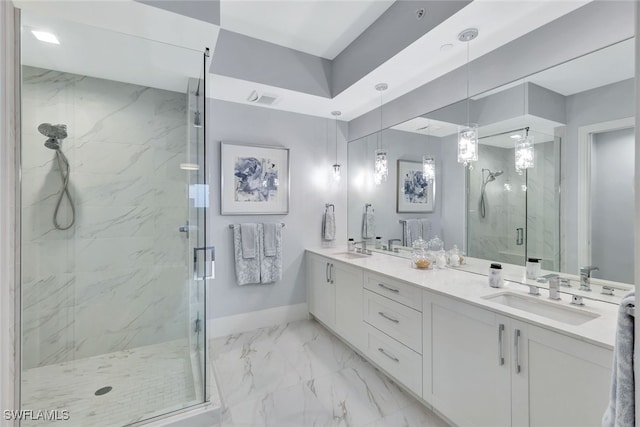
[{"x": 64, "y": 176}]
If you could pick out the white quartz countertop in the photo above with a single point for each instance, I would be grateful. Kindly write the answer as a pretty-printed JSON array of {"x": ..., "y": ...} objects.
[{"x": 471, "y": 288}]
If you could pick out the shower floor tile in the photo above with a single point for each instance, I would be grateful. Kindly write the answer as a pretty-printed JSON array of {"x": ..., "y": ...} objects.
[{"x": 146, "y": 381}]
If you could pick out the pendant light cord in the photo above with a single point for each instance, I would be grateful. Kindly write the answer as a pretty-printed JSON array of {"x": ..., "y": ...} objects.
[
  {"x": 468, "y": 99},
  {"x": 336, "y": 140}
]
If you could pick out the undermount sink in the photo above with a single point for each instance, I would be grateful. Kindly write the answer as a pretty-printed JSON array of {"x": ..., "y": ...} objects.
[
  {"x": 535, "y": 305},
  {"x": 351, "y": 255}
]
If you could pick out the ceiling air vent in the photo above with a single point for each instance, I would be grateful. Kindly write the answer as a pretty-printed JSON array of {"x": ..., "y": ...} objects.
[{"x": 264, "y": 98}]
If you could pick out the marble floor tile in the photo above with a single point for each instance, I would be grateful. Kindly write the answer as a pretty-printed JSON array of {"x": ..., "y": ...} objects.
[
  {"x": 415, "y": 415},
  {"x": 295, "y": 406},
  {"x": 301, "y": 375},
  {"x": 359, "y": 395}
]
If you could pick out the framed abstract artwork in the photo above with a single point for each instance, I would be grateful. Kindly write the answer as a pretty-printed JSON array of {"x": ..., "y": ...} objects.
[
  {"x": 414, "y": 192},
  {"x": 254, "y": 179}
]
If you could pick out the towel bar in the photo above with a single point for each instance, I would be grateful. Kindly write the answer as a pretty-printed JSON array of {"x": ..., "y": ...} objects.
[
  {"x": 231, "y": 225},
  {"x": 631, "y": 310}
]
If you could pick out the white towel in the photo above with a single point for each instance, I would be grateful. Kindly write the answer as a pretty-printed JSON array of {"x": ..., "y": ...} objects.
[
  {"x": 269, "y": 239},
  {"x": 247, "y": 269},
  {"x": 412, "y": 229},
  {"x": 620, "y": 412},
  {"x": 329, "y": 225},
  {"x": 368, "y": 224},
  {"x": 249, "y": 240},
  {"x": 426, "y": 228},
  {"x": 271, "y": 266}
]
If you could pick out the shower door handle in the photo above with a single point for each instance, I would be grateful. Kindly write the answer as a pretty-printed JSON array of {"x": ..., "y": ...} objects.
[
  {"x": 204, "y": 263},
  {"x": 519, "y": 236}
]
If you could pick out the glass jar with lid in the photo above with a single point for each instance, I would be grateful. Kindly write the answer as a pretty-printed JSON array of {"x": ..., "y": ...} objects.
[{"x": 420, "y": 257}]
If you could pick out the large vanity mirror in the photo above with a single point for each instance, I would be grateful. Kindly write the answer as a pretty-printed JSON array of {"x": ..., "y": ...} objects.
[{"x": 573, "y": 208}]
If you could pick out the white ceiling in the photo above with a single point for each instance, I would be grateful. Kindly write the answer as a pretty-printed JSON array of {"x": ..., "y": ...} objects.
[
  {"x": 320, "y": 28},
  {"x": 142, "y": 60}
]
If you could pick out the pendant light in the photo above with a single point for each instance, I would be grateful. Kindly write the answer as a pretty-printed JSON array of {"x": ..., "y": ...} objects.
[
  {"x": 524, "y": 145},
  {"x": 381, "y": 165},
  {"x": 336, "y": 166},
  {"x": 428, "y": 163},
  {"x": 524, "y": 152},
  {"x": 468, "y": 133}
]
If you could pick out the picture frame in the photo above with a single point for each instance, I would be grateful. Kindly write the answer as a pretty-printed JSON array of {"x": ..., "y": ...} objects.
[
  {"x": 414, "y": 193},
  {"x": 254, "y": 179}
]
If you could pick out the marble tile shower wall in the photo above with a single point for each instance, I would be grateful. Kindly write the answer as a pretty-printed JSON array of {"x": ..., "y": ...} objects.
[{"x": 117, "y": 278}]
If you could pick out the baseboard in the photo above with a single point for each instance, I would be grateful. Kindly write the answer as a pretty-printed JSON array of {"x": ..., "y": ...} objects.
[{"x": 223, "y": 326}]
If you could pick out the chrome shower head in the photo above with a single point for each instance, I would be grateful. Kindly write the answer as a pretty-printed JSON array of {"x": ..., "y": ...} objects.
[
  {"x": 54, "y": 134},
  {"x": 492, "y": 175}
]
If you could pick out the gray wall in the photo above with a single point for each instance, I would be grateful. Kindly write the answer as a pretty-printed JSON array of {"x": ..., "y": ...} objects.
[
  {"x": 312, "y": 152},
  {"x": 612, "y": 204},
  {"x": 606, "y": 103}
]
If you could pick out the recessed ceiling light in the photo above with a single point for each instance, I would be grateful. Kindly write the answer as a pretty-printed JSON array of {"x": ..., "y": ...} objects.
[
  {"x": 45, "y": 36},
  {"x": 516, "y": 136},
  {"x": 446, "y": 47}
]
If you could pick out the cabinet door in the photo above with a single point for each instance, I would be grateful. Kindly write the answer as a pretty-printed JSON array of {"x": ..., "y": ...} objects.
[
  {"x": 470, "y": 378},
  {"x": 348, "y": 283},
  {"x": 320, "y": 289},
  {"x": 569, "y": 380}
]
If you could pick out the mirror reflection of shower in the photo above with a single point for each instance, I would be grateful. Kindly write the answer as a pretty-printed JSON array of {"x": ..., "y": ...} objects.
[
  {"x": 491, "y": 176},
  {"x": 55, "y": 134}
]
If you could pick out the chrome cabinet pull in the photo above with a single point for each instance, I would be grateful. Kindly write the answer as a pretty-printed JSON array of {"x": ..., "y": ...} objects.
[
  {"x": 331, "y": 273},
  {"x": 326, "y": 273},
  {"x": 500, "y": 353},
  {"x": 388, "y": 318},
  {"x": 517, "y": 349},
  {"x": 383, "y": 286},
  {"x": 395, "y": 359}
]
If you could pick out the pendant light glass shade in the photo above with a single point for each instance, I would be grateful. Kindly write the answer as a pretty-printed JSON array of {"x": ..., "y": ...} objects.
[
  {"x": 468, "y": 143},
  {"x": 524, "y": 154},
  {"x": 381, "y": 167},
  {"x": 381, "y": 163},
  {"x": 428, "y": 168},
  {"x": 336, "y": 173}
]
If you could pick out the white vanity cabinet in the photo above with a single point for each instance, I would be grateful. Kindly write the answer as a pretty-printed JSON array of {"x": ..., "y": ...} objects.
[
  {"x": 321, "y": 290},
  {"x": 486, "y": 369},
  {"x": 467, "y": 376},
  {"x": 335, "y": 297},
  {"x": 568, "y": 382}
]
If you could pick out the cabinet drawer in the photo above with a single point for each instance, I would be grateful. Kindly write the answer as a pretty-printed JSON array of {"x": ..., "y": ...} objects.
[
  {"x": 396, "y": 320},
  {"x": 397, "y": 291},
  {"x": 399, "y": 361}
]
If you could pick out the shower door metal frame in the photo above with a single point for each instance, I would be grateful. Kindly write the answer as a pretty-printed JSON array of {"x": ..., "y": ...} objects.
[{"x": 10, "y": 201}]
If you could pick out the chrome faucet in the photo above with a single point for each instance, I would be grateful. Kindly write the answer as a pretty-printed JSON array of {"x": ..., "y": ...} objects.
[
  {"x": 390, "y": 243},
  {"x": 585, "y": 277},
  {"x": 363, "y": 248},
  {"x": 554, "y": 284}
]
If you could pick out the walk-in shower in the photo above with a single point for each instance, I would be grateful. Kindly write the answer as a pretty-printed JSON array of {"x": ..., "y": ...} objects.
[
  {"x": 55, "y": 134},
  {"x": 112, "y": 319},
  {"x": 514, "y": 214},
  {"x": 491, "y": 176}
]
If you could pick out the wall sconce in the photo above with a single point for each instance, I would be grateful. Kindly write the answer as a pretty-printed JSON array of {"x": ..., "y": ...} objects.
[
  {"x": 428, "y": 168},
  {"x": 381, "y": 165},
  {"x": 468, "y": 134},
  {"x": 336, "y": 165},
  {"x": 524, "y": 153}
]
